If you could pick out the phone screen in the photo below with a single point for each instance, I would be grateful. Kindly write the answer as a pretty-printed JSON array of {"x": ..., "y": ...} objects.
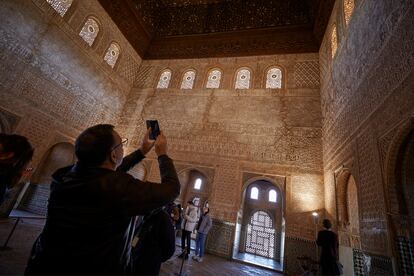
[{"x": 155, "y": 129}]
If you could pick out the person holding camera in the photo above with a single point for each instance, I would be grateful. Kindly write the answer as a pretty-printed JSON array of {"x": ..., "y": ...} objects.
[{"x": 92, "y": 205}]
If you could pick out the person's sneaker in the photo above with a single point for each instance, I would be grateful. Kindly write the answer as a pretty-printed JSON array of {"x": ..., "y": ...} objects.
[
  {"x": 199, "y": 259},
  {"x": 194, "y": 257}
]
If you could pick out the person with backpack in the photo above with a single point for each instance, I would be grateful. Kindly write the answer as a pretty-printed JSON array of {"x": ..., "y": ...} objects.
[{"x": 153, "y": 243}]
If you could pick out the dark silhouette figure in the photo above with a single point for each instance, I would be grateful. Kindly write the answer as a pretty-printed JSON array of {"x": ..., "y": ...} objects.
[
  {"x": 15, "y": 154},
  {"x": 328, "y": 241}
]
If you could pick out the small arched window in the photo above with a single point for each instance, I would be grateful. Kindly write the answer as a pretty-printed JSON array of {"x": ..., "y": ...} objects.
[
  {"x": 242, "y": 79},
  {"x": 348, "y": 10},
  {"x": 334, "y": 40},
  {"x": 213, "y": 79},
  {"x": 274, "y": 78},
  {"x": 197, "y": 184},
  {"x": 89, "y": 31},
  {"x": 112, "y": 54},
  {"x": 272, "y": 196},
  {"x": 164, "y": 80},
  {"x": 60, "y": 6},
  {"x": 254, "y": 193},
  {"x": 188, "y": 80}
]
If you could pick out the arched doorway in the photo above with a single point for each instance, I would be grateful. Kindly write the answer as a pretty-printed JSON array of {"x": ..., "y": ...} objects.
[
  {"x": 259, "y": 231},
  {"x": 37, "y": 194},
  {"x": 348, "y": 219}
]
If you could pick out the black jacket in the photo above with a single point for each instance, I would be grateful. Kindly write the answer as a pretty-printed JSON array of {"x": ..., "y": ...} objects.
[
  {"x": 156, "y": 243},
  {"x": 89, "y": 223}
]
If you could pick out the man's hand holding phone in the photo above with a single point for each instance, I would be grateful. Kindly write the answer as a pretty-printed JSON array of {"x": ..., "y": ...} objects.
[
  {"x": 146, "y": 144},
  {"x": 161, "y": 145}
]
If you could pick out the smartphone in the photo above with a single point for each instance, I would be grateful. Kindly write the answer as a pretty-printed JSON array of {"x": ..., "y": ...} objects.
[{"x": 155, "y": 129}]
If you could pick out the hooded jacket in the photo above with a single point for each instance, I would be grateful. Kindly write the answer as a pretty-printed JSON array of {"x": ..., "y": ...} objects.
[
  {"x": 90, "y": 215},
  {"x": 190, "y": 218}
]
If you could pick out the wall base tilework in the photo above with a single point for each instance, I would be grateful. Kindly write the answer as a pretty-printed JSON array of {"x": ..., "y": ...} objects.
[
  {"x": 220, "y": 238},
  {"x": 367, "y": 264},
  {"x": 405, "y": 248},
  {"x": 296, "y": 247}
]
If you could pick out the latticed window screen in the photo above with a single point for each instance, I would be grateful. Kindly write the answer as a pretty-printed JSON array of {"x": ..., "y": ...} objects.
[
  {"x": 188, "y": 80},
  {"x": 243, "y": 79},
  {"x": 348, "y": 9},
  {"x": 214, "y": 78},
  {"x": 260, "y": 235},
  {"x": 112, "y": 54},
  {"x": 164, "y": 80},
  {"x": 274, "y": 78},
  {"x": 89, "y": 31},
  {"x": 61, "y": 6},
  {"x": 334, "y": 41}
]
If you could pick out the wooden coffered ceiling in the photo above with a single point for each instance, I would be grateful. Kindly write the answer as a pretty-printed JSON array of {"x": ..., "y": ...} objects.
[{"x": 169, "y": 29}]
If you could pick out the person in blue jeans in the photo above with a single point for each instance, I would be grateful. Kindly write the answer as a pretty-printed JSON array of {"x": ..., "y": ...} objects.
[{"x": 204, "y": 225}]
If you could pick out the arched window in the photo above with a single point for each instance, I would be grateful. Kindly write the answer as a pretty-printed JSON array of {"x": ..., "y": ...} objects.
[
  {"x": 334, "y": 41},
  {"x": 243, "y": 79},
  {"x": 254, "y": 193},
  {"x": 89, "y": 31},
  {"x": 61, "y": 6},
  {"x": 164, "y": 80},
  {"x": 197, "y": 184},
  {"x": 188, "y": 80},
  {"x": 112, "y": 54},
  {"x": 213, "y": 79},
  {"x": 348, "y": 10},
  {"x": 272, "y": 196},
  {"x": 274, "y": 78}
]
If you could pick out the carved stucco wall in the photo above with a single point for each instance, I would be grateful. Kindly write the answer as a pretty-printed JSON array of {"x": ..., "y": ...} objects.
[
  {"x": 273, "y": 132},
  {"x": 51, "y": 79},
  {"x": 366, "y": 95}
]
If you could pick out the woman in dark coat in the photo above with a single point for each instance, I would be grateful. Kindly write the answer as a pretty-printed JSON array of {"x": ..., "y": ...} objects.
[
  {"x": 155, "y": 243},
  {"x": 328, "y": 241}
]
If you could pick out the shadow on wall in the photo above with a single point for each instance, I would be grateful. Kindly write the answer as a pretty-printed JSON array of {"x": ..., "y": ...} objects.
[{"x": 37, "y": 194}]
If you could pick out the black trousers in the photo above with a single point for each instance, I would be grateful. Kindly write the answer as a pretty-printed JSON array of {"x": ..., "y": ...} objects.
[{"x": 186, "y": 235}]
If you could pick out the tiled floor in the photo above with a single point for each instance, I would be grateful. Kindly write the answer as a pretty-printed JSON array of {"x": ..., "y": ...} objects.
[
  {"x": 13, "y": 261},
  {"x": 258, "y": 260}
]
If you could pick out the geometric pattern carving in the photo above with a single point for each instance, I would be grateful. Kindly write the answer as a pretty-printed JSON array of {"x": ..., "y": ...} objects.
[
  {"x": 306, "y": 74},
  {"x": 112, "y": 54},
  {"x": 220, "y": 238},
  {"x": 61, "y": 6},
  {"x": 128, "y": 69},
  {"x": 89, "y": 31},
  {"x": 260, "y": 235}
]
